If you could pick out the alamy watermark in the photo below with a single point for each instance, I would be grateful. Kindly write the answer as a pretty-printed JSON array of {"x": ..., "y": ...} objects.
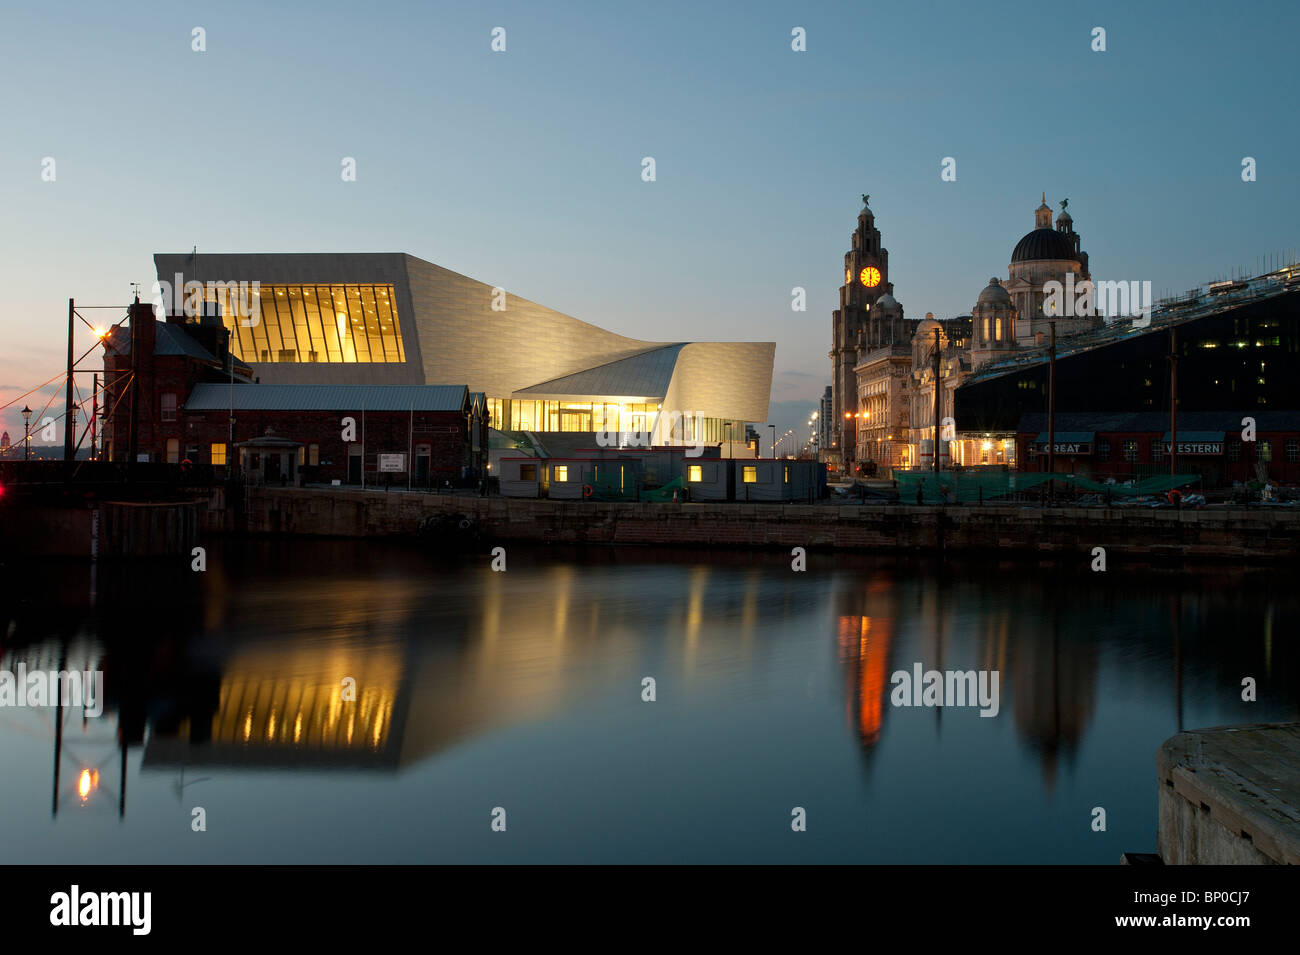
[
  {"x": 132, "y": 910},
  {"x": 53, "y": 688},
  {"x": 923, "y": 687},
  {"x": 1092, "y": 299},
  {"x": 187, "y": 298},
  {"x": 672, "y": 426}
]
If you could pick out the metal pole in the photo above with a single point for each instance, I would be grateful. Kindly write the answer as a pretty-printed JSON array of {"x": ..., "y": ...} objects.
[
  {"x": 94, "y": 414},
  {"x": 1051, "y": 414},
  {"x": 410, "y": 444},
  {"x": 937, "y": 358},
  {"x": 133, "y": 432},
  {"x": 68, "y": 426},
  {"x": 1173, "y": 401}
]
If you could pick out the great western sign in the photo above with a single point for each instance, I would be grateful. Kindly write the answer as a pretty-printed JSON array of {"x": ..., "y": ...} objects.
[
  {"x": 1197, "y": 447},
  {"x": 1068, "y": 447}
]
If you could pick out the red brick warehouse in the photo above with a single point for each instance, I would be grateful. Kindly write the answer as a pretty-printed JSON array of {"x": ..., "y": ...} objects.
[{"x": 173, "y": 401}]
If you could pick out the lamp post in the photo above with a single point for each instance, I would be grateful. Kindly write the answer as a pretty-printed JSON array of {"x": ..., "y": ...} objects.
[
  {"x": 773, "y": 427},
  {"x": 27, "y": 432},
  {"x": 726, "y": 430}
]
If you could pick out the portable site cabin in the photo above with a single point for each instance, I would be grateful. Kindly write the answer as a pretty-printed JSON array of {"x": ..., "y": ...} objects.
[
  {"x": 710, "y": 480},
  {"x": 568, "y": 477},
  {"x": 778, "y": 480},
  {"x": 660, "y": 466},
  {"x": 523, "y": 477},
  {"x": 616, "y": 479}
]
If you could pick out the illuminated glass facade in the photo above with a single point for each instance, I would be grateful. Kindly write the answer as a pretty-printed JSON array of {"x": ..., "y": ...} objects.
[
  {"x": 317, "y": 323},
  {"x": 507, "y": 414}
]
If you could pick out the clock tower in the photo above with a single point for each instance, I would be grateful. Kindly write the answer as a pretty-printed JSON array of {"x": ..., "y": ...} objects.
[{"x": 868, "y": 317}]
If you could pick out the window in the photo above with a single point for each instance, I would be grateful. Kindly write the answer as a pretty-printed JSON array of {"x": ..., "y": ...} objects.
[
  {"x": 173, "y": 450},
  {"x": 169, "y": 407},
  {"x": 1157, "y": 451},
  {"x": 1266, "y": 450},
  {"x": 313, "y": 454},
  {"x": 218, "y": 455},
  {"x": 528, "y": 472},
  {"x": 997, "y": 329},
  {"x": 1292, "y": 450},
  {"x": 787, "y": 474},
  {"x": 1130, "y": 451},
  {"x": 315, "y": 323},
  {"x": 560, "y": 472},
  {"x": 750, "y": 475},
  {"x": 986, "y": 329},
  {"x": 1103, "y": 450},
  {"x": 694, "y": 472},
  {"x": 302, "y": 456},
  {"x": 1234, "y": 451}
]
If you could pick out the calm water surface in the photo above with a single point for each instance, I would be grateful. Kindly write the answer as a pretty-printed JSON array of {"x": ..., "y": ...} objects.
[{"x": 522, "y": 690}]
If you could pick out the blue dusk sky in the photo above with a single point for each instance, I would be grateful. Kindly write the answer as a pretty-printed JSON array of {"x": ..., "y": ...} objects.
[{"x": 523, "y": 168}]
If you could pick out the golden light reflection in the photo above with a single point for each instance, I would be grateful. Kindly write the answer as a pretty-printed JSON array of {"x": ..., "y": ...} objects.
[
  {"x": 699, "y": 585},
  {"x": 562, "y": 590},
  {"x": 87, "y": 782},
  {"x": 864, "y": 645}
]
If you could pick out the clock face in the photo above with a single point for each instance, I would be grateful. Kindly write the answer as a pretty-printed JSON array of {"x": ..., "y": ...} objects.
[{"x": 870, "y": 276}]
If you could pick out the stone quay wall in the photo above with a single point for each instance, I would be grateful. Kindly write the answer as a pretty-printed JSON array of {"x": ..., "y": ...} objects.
[{"x": 1249, "y": 535}]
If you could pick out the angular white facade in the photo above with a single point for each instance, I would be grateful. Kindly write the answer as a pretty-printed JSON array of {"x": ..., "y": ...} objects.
[{"x": 450, "y": 333}]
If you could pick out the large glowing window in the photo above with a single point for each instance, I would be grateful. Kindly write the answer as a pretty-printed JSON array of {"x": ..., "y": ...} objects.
[{"x": 318, "y": 323}]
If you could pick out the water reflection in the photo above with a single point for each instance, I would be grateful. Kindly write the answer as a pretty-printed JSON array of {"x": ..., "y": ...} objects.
[{"x": 253, "y": 667}]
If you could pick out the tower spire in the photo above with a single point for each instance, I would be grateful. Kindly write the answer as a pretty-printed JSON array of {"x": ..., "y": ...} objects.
[{"x": 1043, "y": 215}]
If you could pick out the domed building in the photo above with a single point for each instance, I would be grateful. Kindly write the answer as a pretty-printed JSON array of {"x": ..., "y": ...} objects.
[
  {"x": 887, "y": 363},
  {"x": 993, "y": 319},
  {"x": 882, "y": 372},
  {"x": 1046, "y": 255}
]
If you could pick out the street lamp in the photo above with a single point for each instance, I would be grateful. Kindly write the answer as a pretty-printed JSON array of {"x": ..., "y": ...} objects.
[
  {"x": 773, "y": 427},
  {"x": 27, "y": 432},
  {"x": 726, "y": 430}
]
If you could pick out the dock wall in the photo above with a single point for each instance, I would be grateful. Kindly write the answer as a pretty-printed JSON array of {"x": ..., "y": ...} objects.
[
  {"x": 1214, "y": 534},
  {"x": 1230, "y": 796}
]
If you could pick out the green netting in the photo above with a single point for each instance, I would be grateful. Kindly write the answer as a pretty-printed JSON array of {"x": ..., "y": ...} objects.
[
  {"x": 665, "y": 493},
  {"x": 611, "y": 489},
  {"x": 972, "y": 486}
]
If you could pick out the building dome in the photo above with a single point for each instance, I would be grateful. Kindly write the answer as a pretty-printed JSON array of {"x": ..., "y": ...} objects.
[
  {"x": 927, "y": 326},
  {"x": 1044, "y": 244},
  {"x": 887, "y": 301},
  {"x": 994, "y": 294}
]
